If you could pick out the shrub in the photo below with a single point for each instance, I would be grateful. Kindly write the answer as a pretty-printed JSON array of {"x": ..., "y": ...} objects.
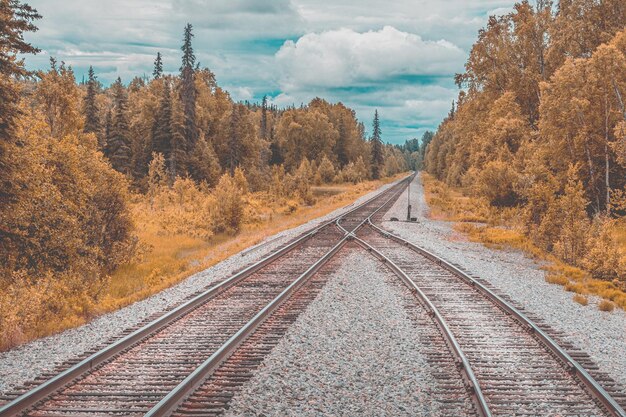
[
  {"x": 227, "y": 206},
  {"x": 326, "y": 170},
  {"x": 496, "y": 182},
  {"x": 606, "y": 305}
]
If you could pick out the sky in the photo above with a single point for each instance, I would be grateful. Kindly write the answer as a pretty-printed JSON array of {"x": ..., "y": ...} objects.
[{"x": 398, "y": 57}]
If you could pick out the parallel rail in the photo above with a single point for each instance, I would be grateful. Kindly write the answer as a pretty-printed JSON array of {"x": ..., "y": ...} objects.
[
  {"x": 44, "y": 390},
  {"x": 548, "y": 342}
]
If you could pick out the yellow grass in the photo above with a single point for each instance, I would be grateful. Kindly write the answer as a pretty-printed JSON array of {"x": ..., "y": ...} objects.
[
  {"x": 580, "y": 299},
  {"x": 485, "y": 225},
  {"x": 173, "y": 258}
]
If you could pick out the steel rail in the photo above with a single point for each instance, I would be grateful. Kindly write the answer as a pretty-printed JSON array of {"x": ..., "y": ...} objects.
[
  {"x": 571, "y": 364},
  {"x": 461, "y": 359},
  {"x": 194, "y": 380},
  {"x": 96, "y": 359}
]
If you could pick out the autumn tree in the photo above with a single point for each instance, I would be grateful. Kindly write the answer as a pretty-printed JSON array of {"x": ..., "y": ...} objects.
[{"x": 59, "y": 99}]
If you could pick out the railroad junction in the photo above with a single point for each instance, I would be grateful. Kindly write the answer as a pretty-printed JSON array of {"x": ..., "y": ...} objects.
[{"x": 380, "y": 301}]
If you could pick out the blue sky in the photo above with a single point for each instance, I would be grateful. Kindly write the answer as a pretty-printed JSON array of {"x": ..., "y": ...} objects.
[{"x": 399, "y": 57}]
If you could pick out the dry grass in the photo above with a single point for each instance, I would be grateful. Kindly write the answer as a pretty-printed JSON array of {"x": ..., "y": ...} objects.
[
  {"x": 173, "y": 258},
  {"x": 605, "y": 305},
  {"x": 580, "y": 299},
  {"x": 167, "y": 256},
  {"x": 485, "y": 225}
]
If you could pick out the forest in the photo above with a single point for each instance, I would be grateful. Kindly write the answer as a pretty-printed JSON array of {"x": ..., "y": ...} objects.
[
  {"x": 539, "y": 131},
  {"x": 86, "y": 167}
]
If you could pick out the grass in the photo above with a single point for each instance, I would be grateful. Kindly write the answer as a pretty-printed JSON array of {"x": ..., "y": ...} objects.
[
  {"x": 580, "y": 299},
  {"x": 172, "y": 258},
  {"x": 480, "y": 223}
]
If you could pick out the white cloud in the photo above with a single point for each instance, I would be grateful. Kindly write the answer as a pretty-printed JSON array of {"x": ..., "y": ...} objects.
[
  {"x": 343, "y": 57},
  {"x": 240, "y": 93}
]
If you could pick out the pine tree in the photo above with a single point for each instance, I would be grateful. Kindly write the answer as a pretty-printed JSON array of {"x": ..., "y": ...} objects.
[
  {"x": 92, "y": 118},
  {"x": 162, "y": 130},
  {"x": 264, "y": 118},
  {"x": 158, "y": 67},
  {"x": 188, "y": 92},
  {"x": 378, "y": 157},
  {"x": 118, "y": 142},
  {"x": 108, "y": 126}
]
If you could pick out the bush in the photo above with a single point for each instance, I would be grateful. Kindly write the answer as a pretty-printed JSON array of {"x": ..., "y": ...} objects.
[
  {"x": 227, "y": 206},
  {"x": 496, "y": 182},
  {"x": 326, "y": 170}
]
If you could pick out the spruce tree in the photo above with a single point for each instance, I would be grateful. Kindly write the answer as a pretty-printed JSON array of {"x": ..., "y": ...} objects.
[
  {"x": 162, "y": 130},
  {"x": 188, "y": 92},
  {"x": 158, "y": 67},
  {"x": 264, "y": 118},
  {"x": 92, "y": 118},
  {"x": 118, "y": 142},
  {"x": 378, "y": 157}
]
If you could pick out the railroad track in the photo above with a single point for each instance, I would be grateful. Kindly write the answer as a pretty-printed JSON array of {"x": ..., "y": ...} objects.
[
  {"x": 155, "y": 367},
  {"x": 193, "y": 360},
  {"x": 510, "y": 365}
]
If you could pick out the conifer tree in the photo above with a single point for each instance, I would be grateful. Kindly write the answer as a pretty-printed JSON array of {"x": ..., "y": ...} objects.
[
  {"x": 92, "y": 118},
  {"x": 188, "y": 92},
  {"x": 264, "y": 118},
  {"x": 158, "y": 67},
  {"x": 378, "y": 157},
  {"x": 162, "y": 130},
  {"x": 108, "y": 125},
  {"x": 118, "y": 141}
]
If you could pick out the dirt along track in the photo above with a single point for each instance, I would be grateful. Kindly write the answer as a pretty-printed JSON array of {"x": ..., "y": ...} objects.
[{"x": 196, "y": 362}]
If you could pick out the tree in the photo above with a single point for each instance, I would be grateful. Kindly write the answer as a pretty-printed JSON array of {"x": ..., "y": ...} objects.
[
  {"x": 118, "y": 143},
  {"x": 264, "y": 118},
  {"x": 188, "y": 92},
  {"x": 158, "y": 67},
  {"x": 203, "y": 163},
  {"x": 59, "y": 99},
  {"x": 378, "y": 157},
  {"x": 92, "y": 116},
  {"x": 235, "y": 145},
  {"x": 162, "y": 127}
]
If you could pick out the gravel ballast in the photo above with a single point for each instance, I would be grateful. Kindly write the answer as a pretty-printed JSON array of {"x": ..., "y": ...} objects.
[
  {"x": 26, "y": 362},
  {"x": 600, "y": 334},
  {"x": 354, "y": 351}
]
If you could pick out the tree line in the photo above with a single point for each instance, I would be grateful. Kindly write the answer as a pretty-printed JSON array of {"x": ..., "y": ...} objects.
[
  {"x": 539, "y": 126},
  {"x": 75, "y": 155}
]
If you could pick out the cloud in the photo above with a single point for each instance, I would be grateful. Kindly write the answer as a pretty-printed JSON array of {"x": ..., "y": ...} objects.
[
  {"x": 343, "y": 57},
  {"x": 338, "y": 52}
]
